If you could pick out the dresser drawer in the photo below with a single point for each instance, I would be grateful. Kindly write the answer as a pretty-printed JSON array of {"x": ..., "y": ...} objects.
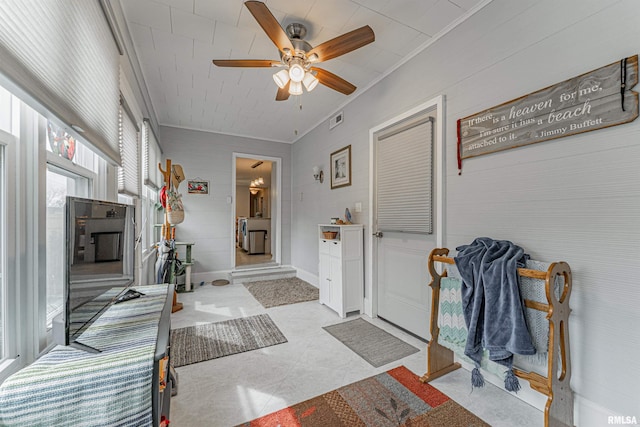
[
  {"x": 335, "y": 248},
  {"x": 325, "y": 246}
]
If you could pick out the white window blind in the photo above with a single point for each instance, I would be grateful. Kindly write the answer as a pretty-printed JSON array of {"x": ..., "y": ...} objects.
[
  {"x": 129, "y": 172},
  {"x": 151, "y": 156},
  {"x": 62, "y": 55},
  {"x": 404, "y": 178}
]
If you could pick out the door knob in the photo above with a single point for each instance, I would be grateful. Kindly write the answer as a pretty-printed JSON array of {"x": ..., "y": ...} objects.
[{"x": 378, "y": 234}]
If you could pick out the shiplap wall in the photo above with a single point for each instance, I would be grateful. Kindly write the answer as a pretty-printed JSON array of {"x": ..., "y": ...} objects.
[
  {"x": 575, "y": 199},
  {"x": 209, "y": 156}
]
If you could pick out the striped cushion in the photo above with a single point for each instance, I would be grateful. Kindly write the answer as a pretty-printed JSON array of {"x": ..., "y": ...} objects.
[{"x": 70, "y": 387}]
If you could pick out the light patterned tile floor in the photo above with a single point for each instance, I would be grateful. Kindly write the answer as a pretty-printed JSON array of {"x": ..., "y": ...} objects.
[
  {"x": 244, "y": 259},
  {"x": 234, "y": 389}
]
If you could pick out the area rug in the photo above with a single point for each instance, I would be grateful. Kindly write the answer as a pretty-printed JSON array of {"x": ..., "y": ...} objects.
[
  {"x": 195, "y": 344},
  {"x": 273, "y": 293},
  {"x": 376, "y": 346},
  {"x": 393, "y": 398}
]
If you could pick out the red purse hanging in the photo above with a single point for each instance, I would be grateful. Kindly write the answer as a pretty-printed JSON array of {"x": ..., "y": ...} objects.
[{"x": 163, "y": 196}]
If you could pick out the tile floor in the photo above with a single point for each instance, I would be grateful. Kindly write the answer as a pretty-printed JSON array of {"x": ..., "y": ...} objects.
[{"x": 234, "y": 389}]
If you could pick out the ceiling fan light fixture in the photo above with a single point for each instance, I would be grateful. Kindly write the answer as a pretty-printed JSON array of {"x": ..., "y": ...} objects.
[
  {"x": 297, "y": 55},
  {"x": 296, "y": 71},
  {"x": 281, "y": 78},
  {"x": 295, "y": 88},
  {"x": 310, "y": 81}
]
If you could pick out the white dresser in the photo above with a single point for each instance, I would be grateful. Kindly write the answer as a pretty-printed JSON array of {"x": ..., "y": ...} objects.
[{"x": 341, "y": 268}]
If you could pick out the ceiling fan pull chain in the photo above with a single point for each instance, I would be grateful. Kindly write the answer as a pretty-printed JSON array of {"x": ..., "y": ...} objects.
[{"x": 297, "y": 118}]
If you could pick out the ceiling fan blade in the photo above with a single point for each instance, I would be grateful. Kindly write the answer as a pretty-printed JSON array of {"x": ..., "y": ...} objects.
[
  {"x": 343, "y": 44},
  {"x": 334, "y": 82},
  {"x": 246, "y": 63},
  {"x": 269, "y": 24},
  {"x": 283, "y": 94}
]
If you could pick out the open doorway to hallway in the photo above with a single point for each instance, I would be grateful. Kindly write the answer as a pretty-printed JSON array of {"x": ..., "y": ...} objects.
[{"x": 256, "y": 213}]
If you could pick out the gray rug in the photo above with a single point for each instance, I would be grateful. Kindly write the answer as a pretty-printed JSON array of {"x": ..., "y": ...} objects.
[
  {"x": 195, "y": 344},
  {"x": 374, "y": 345},
  {"x": 272, "y": 293}
]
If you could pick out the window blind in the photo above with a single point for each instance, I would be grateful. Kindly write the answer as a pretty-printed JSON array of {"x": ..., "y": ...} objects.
[
  {"x": 128, "y": 173},
  {"x": 151, "y": 156},
  {"x": 62, "y": 55},
  {"x": 404, "y": 178}
]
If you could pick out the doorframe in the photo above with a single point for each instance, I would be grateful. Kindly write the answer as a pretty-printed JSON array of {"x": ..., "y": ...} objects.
[
  {"x": 371, "y": 278},
  {"x": 278, "y": 204}
]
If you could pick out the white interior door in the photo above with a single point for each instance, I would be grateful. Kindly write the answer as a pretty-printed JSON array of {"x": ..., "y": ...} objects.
[{"x": 404, "y": 206}]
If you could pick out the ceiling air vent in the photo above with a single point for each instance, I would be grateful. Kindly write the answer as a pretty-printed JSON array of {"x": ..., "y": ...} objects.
[{"x": 336, "y": 120}]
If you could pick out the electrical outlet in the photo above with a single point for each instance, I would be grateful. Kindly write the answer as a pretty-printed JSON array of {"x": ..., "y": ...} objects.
[
  {"x": 301, "y": 196},
  {"x": 358, "y": 207}
]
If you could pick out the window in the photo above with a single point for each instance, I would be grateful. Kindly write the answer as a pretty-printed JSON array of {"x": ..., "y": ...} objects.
[
  {"x": 8, "y": 302},
  {"x": 5, "y": 125},
  {"x": 3, "y": 252},
  {"x": 30, "y": 301},
  {"x": 152, "y": 181},
  {"x": 71, "y": 74},
  {"x": 150, "y": 204},
  {"x": 151, "y": 156},
  {"x": 405, "y": 177},
  {"x": 71, "y": 171},
  {"x": 60, "y": 183},
  {"x": 37, "y": 170},
  {"x": 129, "y": 173},
  {"x": 5, "y": 110}
]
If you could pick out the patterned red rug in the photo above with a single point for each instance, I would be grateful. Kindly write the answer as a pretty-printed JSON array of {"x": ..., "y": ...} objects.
[{"x": 394, "y": 398}]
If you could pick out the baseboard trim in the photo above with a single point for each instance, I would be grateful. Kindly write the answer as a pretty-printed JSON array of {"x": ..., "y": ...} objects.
[
  {"x": 526, "y": 393},
  {"x": 209, "y": 276},
  {"x": 586, "y": 413},
  {"x": 590, "y": 414},
  {"x": 308, "y": 277}
]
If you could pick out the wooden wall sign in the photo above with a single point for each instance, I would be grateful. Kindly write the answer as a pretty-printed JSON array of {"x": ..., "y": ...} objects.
[{"x": 594, "y": 100}]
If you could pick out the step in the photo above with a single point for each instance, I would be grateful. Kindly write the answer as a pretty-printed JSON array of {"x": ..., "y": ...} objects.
[{"x": 257, "y": 274}]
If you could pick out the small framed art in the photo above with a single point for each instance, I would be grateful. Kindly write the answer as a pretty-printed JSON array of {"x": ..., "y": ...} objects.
[
  {"x": 341, "y": 167},
  {"x": 197, "y": 186}
]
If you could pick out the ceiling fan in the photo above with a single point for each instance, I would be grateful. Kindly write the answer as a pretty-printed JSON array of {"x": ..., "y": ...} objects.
[{"x": 298, "y": 56}]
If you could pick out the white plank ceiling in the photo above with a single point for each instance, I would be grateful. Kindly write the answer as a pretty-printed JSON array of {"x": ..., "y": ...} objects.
[{"x": 175, "y": 41}]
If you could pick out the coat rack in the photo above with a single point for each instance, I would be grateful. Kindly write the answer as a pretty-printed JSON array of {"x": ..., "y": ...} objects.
[
  {"x": 166, "y": 177},
  {"x": 167, "y": 228}
]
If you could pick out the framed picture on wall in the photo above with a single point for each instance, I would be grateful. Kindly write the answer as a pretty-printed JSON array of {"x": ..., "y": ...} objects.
[
  {"x": 197, "y": 186},
  {"x": 341, "y": 167}
]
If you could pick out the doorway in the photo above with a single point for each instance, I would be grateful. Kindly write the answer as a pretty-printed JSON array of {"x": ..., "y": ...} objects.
[
  {"x": 256, "y": 211},
  {"x": 406, "y": 214}
]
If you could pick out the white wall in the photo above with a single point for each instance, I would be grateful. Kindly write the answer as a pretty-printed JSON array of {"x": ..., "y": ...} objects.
[
  {"x": 209, "y": 218},
  {"x": 575, "y": 199}
]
